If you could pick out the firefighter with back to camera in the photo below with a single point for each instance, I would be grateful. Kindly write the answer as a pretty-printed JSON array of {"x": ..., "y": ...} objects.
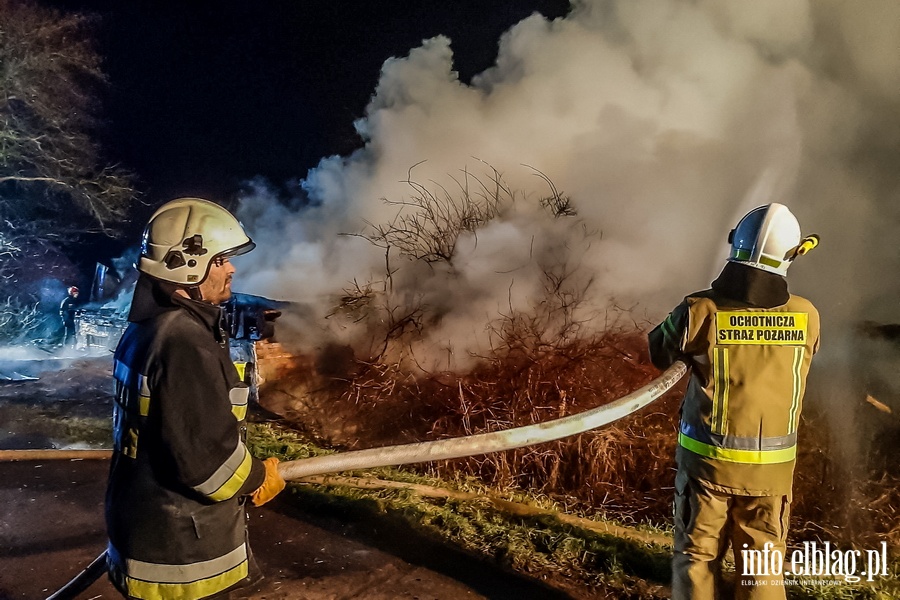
[
  {"x": 749, "y": 344},
  {"x": 181, "y": 471}
]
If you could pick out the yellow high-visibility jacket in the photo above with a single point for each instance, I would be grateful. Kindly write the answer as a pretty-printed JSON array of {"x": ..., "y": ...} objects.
[{"x": 739, "y": 416}]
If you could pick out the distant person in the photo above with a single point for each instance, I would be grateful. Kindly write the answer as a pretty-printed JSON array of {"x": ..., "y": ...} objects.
[
  {"x": 67, "y": 315},
  {"x": 749, "y": 344},
  {"x": 181, "y": 472}
]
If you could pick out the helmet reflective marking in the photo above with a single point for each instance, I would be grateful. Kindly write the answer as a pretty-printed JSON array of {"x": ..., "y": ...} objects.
[{"x": 766, "y": 238}]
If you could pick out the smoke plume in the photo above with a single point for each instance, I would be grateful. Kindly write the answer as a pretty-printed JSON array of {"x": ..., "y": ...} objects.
[{"x": 663, "y": 122}]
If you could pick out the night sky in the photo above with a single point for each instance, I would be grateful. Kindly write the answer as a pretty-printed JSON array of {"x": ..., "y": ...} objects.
[{"x": 205, "y": 95}]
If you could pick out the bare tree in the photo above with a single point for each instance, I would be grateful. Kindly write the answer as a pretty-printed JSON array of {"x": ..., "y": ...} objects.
[
  {"x": 50, "y": 163},
  {"x": 54, "y": 184}
]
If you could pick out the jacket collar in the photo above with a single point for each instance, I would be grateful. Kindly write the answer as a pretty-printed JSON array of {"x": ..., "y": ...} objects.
[
  {"x": 153, "y": 298},
  {"x": 209, "y": 314},
  {"x": 752, "y": 286}
]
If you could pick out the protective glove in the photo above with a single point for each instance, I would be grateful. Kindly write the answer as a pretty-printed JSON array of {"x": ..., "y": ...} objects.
[{"x": 271, "y": 485}]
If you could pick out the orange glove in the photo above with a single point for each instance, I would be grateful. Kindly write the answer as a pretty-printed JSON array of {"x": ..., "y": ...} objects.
[{"x": 271, "y": 485}]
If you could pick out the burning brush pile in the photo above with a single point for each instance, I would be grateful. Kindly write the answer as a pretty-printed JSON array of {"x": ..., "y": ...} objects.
[
  {"x": 547, "y": 359},
  {"x": 624, "y": 471}
]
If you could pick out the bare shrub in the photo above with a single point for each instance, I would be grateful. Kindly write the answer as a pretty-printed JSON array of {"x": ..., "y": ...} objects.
[
  {"x": 546, "y": 360},
  {"x": 624, "y": 470},
  {"x": 847, "y": 501},
  {"x": 542, "y": 363},
  {"x": 19, "y": 321},
  {"x": 428, "y": 224},
  {"x": 558, "y": 203},
  {"x": 618, "y": 469},
  {"x": 615, "y": 469},
  {"x": 425, "y": 231}
]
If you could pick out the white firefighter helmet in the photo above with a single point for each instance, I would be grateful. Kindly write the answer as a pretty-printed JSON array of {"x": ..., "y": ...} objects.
[
  {"x": 766, "y": 238},
  {"x": 184, "y": 236}
]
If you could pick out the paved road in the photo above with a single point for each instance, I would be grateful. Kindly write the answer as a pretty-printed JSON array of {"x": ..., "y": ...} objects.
[{"x": 51, "y": 526}]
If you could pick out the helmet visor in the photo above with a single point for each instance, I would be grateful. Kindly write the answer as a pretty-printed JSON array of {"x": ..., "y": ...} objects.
[{"x": 242, "y": 249}]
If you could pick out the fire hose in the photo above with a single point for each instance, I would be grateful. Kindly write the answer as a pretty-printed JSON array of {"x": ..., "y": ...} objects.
[
  {"x": 485, "y": 443},
  {"x": 460, "y": 447}
]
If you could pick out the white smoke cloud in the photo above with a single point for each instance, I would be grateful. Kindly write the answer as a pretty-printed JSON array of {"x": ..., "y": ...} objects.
[{"x": 663, "y": 120}]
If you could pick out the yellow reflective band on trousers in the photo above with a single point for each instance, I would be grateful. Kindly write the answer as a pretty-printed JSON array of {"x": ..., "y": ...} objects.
[
  {"x": 228, "y": 478},
  {"x": 747, "y": 457},
  {"x": 150, "y": 581}
]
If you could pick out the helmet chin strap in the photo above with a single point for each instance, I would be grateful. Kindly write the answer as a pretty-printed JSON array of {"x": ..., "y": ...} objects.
[{"x": 195, "y": 294}]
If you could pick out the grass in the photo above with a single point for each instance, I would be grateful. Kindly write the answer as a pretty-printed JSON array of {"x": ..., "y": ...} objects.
[
  {"x": 492, "y": 524},
  {"x": 538, "y": 545},
  {"x": 54, "y": 424}
]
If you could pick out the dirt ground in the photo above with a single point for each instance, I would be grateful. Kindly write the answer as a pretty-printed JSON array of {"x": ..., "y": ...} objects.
[{"x": 51, "y": 517}]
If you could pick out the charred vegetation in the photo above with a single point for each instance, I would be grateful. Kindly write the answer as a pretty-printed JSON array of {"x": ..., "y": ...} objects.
[{"x": 554, "y": 358}]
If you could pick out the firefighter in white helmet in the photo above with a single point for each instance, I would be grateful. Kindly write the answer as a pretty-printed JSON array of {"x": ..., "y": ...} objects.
[
  {"x": 749, "y": 343},
  {"x": 181, "y": 471}
]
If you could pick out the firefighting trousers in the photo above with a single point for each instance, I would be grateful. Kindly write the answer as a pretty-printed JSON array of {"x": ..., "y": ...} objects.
[{"x": 705, "y": 522}]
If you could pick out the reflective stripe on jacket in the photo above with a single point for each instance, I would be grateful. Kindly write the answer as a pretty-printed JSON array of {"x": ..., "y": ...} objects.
[
  {"x": 157, "y": 581},
  {"x": 174, "y": 503},
  {"x": 740, "y": 413}
]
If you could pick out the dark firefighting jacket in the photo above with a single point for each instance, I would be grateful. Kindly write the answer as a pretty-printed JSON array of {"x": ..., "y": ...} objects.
[
  {"x": 180, "y": 468},
  {"x": 67, "y": 311},
  {"x": 749, "y": 344}
]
